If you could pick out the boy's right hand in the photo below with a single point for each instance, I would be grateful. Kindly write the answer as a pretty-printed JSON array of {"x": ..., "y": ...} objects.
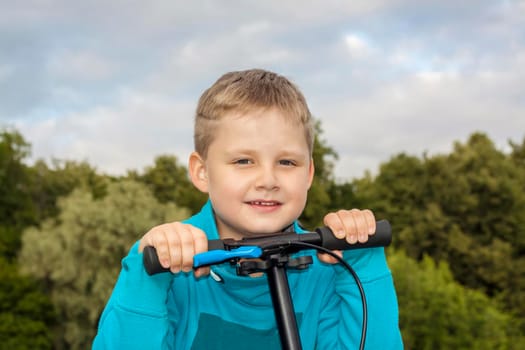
[{"x": 176, "y": 244}]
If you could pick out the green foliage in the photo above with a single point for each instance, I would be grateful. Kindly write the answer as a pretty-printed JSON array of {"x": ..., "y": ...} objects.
[
  {"x": 438, "y": 313},
  {"x": 28, "y": 195},
  {"x": 78, "y": 254},
  {"x": 9, "y": 242},
  {"x": 458, "y": 220},
  {"x": 15, "y": 198},
  {"x": 25, "y": 312},
  {"x": 518, "y": 153},
  {"x": 467, "y": 207},
  {"x": 48, "y": 183},
  {"x": 169, "y": 182},
  {"x": 14, "y": 193}
]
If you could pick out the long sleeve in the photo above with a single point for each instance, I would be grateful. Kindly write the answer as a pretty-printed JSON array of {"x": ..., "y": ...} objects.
[
  {"x": 136, "y": 315},
  {"x": 341, "y": 322}
]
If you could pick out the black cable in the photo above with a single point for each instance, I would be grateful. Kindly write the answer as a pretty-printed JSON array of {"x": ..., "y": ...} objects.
[{"x": 357, "y": 281}]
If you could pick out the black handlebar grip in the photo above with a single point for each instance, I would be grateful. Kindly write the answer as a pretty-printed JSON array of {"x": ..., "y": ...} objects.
[
  {"x": 382, "y": 238},
  {"x": 151, "y": 261}
]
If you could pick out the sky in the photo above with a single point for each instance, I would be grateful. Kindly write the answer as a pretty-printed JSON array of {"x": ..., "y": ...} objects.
[{"x": 116, "y": 82}]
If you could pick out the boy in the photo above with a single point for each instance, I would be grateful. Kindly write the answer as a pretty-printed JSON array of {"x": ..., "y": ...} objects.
[{"x": 253, "y": 157}]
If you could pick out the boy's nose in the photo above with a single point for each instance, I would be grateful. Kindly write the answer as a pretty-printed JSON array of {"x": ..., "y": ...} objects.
[{"x": 266, "y": 179}]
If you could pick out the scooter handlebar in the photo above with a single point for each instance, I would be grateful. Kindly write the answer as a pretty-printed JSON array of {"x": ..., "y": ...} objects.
[{"x": 322, "y": 237}]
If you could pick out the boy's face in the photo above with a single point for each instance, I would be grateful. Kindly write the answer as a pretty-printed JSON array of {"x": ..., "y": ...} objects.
[{"x": 257, "y": 173}]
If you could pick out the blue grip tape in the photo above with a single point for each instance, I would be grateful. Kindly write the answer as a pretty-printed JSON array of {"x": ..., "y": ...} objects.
[{"x": 216, "y": 256}]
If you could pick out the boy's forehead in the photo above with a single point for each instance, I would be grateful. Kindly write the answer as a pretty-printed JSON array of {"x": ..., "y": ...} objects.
[
  {"x": 243, "y": 130},
  {"x": 256, "y": 126},
  {"x": 260, "y": 121},
  {"x": 261, "y": 115}
]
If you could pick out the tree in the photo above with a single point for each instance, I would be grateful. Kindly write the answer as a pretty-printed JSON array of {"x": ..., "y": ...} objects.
[
  {"x": 466, "y": 207},
  {"x": 77, "y": 255},
  {"x": 170, "y": 183},
  {"x": 50, "y": 182},
  {"x": 438, "y": 313},
  {"x": 28, "y": 194},
  {"x": 26, "y": 313},
  {"x": 14, "y": 197},
  {"x": 16, "y": 207},
  {"x": 518, "y": 153}
]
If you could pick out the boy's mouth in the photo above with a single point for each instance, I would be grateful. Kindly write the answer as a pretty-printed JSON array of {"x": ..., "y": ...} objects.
[{"x": 260, "y": 203}]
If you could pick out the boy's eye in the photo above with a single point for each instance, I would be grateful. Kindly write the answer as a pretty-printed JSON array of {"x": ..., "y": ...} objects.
[
  {"x": 242, "y": 161},
  {"x": 287, "y": 162}
]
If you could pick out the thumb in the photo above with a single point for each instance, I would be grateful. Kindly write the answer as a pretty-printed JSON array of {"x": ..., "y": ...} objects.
[{"x": 328, "y": 259}]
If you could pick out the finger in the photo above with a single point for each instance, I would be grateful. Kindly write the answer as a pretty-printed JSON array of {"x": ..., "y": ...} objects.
[
  {"x": 370, "y": 221},
  {"x": 350, "y": 225},
  {"x": 360, "y": 225},
  {"x": 328, "y": 259},
  {"x": 145, "y": 241},
  {"x": 200, "y": 245},
  {"x": 160, "y": 243},
  {"x": 333, "y": 221},
  {"x": 200, "y": 241},
  {"x": 202, "y": 271},
  {"x": 187, "y": 248},
  {"x": 175, "y": 249}
]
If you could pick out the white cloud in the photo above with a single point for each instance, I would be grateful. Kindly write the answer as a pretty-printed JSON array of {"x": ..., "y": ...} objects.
[
  {"x": 117, "y": 138},
  {"x": 251, "y": 29},
  {"x": 116, "y": 82},
  {"x": 81, "y": 65},
  {"x": 416, "y": 115},
  {"x": 357, "y": 46}
]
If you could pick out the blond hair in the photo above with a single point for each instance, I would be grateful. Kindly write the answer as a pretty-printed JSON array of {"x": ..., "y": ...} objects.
[{"x": 245, "y": 91}]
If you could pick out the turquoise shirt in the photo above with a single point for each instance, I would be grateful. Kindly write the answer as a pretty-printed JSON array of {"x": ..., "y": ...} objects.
[{"x": 168, "y": 311}]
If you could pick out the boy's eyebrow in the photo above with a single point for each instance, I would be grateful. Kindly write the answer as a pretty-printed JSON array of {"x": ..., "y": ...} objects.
[{"x": 294, "y": 153}]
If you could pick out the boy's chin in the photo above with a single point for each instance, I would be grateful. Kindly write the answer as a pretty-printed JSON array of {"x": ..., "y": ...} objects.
[
  {"x": 261, "y": 233},
  {"x": 253, "y": 228},
  {"x": 266, "y": 230}
]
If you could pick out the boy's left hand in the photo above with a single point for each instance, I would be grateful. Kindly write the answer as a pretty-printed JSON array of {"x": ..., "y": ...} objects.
[{"x": 353, "y": 225}]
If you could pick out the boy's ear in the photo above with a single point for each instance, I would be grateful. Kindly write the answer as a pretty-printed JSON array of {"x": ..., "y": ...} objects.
[
  {"x": 198, "y": 172},
  {"x": 311, "y": 173}
]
